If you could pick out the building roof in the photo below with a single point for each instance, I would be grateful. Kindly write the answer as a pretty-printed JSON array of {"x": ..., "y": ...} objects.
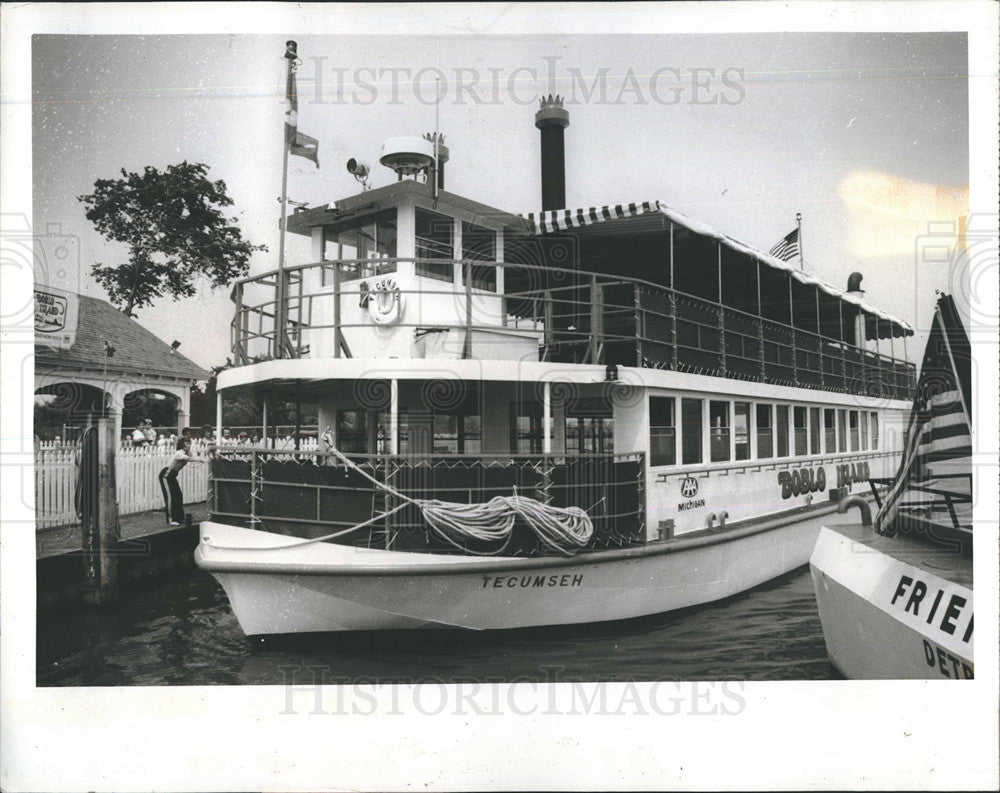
[
  {"x": 137, "y": 350},
  {"x": 556, "y": 220}
]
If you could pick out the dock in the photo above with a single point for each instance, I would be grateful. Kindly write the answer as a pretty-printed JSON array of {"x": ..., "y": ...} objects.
[{"x": 149, "y": 548}]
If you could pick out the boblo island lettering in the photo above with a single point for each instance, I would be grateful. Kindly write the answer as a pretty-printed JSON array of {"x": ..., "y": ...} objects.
[{"x": 810, "y": 480}]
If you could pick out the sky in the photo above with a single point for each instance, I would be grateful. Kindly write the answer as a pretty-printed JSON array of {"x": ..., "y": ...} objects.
[{"x": 865, "y": 134}]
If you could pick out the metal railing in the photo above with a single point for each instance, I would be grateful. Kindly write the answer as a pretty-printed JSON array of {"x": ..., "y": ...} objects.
[
  {"x": 579, "y": 318},
  {"x": 311, "y": 494}
]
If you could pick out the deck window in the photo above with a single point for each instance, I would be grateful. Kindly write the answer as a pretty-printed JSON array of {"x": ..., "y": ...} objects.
[
  {"x": 841, "y": 430},
  {"x": 852, "y": 421},
  {"x": 526, "y": 428},
  {"x": 383, "y": 441},
  {"x": 470, "y": 438},
  {"x": 691, "y": 431},
  {"x": 590, "y": 435},
  {"x": 799, "y": 420},
  {"x": 480, "y": 245},
  {"x": 864, "y": 429},
  {"x": 765, "y": 431},
  {"x": 662, "y": 431},
  {"x": 829, "y": 430},
  {"x": 814, "y": 444},
  {"x": 445, "y": 434},
  {"x": 457, "y": 433},
  {"x": 435, "y": 243},
  {"x": 741, "y": 429},
  {"x": 874, "y": 430},
  {"x": 352, "y": 431},
  {"x": 718, "y": 416},
  {"x": 781, "y": 425}
]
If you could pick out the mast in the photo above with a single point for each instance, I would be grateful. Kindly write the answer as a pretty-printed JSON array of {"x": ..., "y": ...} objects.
[
  {"x": 798, "y": 224},
  {"x": 282, "y": 346}
]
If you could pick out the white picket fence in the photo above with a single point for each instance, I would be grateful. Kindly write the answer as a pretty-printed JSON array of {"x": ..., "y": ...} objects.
[
  {"x": 55, "y": 485},
  {"x": 136, "y": 473},
  {"x": 136, "y": 478}
]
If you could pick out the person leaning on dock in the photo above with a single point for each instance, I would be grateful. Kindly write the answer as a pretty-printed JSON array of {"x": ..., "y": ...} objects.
[{"x": 173, "y": 499}]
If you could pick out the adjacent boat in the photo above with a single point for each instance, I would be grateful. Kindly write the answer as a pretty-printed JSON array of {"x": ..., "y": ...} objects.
[
  {"x": 896, "y": 599},
  {"x": 555, "y": 418}
]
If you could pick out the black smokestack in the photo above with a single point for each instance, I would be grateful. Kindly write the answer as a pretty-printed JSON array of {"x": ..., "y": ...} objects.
[{"x": 552, "y": 119}]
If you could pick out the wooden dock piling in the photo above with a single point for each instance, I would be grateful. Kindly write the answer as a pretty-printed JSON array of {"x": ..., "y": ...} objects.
[{"x": 100, "y": 535}]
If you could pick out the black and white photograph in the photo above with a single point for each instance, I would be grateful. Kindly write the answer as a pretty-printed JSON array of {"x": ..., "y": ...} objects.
[{"x": 484, "y": 396}]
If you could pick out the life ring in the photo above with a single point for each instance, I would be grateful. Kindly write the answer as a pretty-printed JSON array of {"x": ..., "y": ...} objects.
[{"x": 386, "y": 301}]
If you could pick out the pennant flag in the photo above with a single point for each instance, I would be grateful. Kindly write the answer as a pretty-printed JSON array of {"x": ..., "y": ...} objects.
[
  {"x": 788, "y": 248},
  {"x": 298, "y": 143},
  {"x": 935, "y": 474},
  {"x": 304, "y": 146}
]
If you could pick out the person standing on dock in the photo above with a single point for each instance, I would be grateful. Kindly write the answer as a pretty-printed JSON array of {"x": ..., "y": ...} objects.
[
  {"x": 173, "y": 499},
  {"x": 148, "y": 432}
]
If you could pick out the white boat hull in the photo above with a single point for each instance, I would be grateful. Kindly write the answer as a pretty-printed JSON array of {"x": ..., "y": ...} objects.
[
  {"x": 323, "y": 587},
  {"x": 876, "y": 600}
]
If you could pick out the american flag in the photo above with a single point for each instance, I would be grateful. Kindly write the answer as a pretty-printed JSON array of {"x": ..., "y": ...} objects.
[
  {"x": 298, "y": 143},
  {"x": 788, "y": 247},
  {"x": 937, "y": 458}
]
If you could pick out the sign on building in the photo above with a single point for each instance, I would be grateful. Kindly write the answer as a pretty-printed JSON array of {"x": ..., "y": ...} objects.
[{"x": 56, "y": 313}]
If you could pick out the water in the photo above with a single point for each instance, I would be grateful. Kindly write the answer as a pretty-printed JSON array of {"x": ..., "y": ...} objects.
[{"x": 182, "y": 632}]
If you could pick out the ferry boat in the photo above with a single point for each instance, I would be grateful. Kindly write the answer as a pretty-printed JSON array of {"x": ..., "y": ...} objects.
[
  {"x": 895, "y": 598},
  {"x": 556, "y": 417}
]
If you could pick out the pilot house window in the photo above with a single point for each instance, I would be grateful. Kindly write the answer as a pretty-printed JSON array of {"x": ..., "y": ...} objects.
[
  {"x": 371, "y": 239},
  {"x": 435, "y": 235},
  {"x": 480, "y": 245}
]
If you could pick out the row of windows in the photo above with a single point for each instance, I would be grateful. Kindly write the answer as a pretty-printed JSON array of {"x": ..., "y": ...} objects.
[
  {"x": 735, "y": 428},
  {"x": 361, "y": 432},
  {"x": 358, "y": 431}
]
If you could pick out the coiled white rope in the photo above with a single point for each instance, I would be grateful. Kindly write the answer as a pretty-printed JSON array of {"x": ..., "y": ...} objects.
[{"x": 563, "y": 529}]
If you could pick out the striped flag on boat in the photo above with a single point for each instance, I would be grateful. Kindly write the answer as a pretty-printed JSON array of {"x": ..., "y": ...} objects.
[
  {"x": 936, "y": 470},
  {"x": 788, "y": 247}
]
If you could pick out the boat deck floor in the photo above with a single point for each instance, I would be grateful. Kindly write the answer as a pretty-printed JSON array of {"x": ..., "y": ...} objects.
[{"x": 941, "y": 557}]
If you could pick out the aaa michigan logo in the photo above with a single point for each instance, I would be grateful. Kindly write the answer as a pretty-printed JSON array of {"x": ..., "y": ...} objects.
[{"x": 689, "y": 487}]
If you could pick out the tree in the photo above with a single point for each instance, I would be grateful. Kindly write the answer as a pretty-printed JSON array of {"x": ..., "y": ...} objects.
[{"x": 173, "y": 225}]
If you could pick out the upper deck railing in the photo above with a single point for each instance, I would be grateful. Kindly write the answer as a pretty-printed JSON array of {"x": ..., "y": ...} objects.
[{"x": 569, "y": 316}]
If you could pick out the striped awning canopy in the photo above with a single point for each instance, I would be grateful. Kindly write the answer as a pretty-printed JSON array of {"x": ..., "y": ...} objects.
[{"x": 556, "y": 220}]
